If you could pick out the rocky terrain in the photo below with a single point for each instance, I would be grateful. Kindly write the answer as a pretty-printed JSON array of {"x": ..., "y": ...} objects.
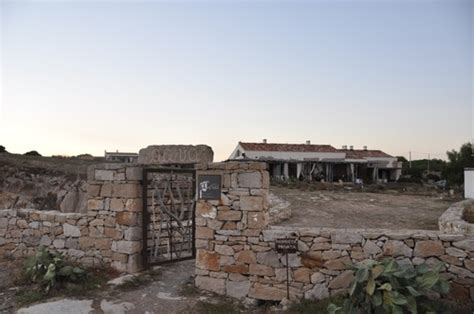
[{"x": 44, "y": 183}]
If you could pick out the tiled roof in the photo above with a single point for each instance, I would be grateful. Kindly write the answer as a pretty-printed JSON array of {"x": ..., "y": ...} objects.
[
  {"x": 362, "y": 153},
  {"x": 271, "y": 147}
]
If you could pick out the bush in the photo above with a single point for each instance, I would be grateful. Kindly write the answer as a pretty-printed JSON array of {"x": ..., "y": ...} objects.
[
  {"x": 2, "y": 149},
  {"x": 32, "y": 153},
  {"x": 388, "y": 287},
  {"x": 48, "y": 268}
]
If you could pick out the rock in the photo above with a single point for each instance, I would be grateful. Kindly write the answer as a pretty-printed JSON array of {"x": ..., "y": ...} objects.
[
  {"x": 317, "y": 277},
  {"x": 204, "y": 233},
  {"x": 104, "y": 175},
  {"x": 247, "y": 257},
  {"x": 318, "y": 292},
  {"x": 458, "y": 293},
  {"x": 59, "y": 243},
  {"x": 469, "y": 264},
  {"x": 126, "y": 247},
  {"x": 269, "y": 258},
  {"x": 175, "y": 154},
  {"x": 302, "y": 247},
  {"x": 224, "y": 250},
  {"x": 396, "y": 248},
  {"x": 207, "y": 260},
  {"x": 237, "y": 289},
  {"x": 45, "y": 241},
  {"x": 428, "y": 248},
  {"x": 239, "y": 269},
  {"x": 257, "y": 220},
  {"x": 126, "y": 190},
  {"x": 280, "y": 274},
  {"x": 71, "y": 231},
  {"x": 343, "y": 280},
  {"x": 251, "y": 203},
  {"x": 371, "y": 249},
  {"x": 338, "y": 264},
  {"x": 346, "y": 237},
  {"x": 60, "y": 306},
  {"x": 302, "y": 275},
  {"x": 293, "y": 260},
  {"x": 455, "y": 252},
  {"x": 206, "y": 210},
  {"x": 312, "y": 259},
  {"x": 261, "y": 270},
  {"x": 264, "y": 292},
  {"x": 249, "y": 180},
  {"x": 229, "y": 215},
  {"x": 216, "y": 285},
  {"x": 462, "y": 272},
  {"x": 465, "y": 245}
]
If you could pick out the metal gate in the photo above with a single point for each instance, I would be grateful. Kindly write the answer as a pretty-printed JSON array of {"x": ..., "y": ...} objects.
[{"x": 168, "y": 215}]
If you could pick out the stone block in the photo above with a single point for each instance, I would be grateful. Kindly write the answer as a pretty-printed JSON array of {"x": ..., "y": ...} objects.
[
  {"x": 71, "y": 231},
  {"x": 216, "y": 285},
  {"x": 133, "y": 233},
  {"x": 224, "y": 250},
  {"x": 264, "y": 292},
  {"x": 318, "y": 292},
  {"x": 251, "y": 203},
  {"x": 261, "y": 270},
  {"x": 317, "y": 277},
  {"x": 126, "y": 247},
  {"x": 342, "y": 281},
  {"x": 86, "y": 243},
  {"x": 59, "y": 243},
  {"x": 72, "y": 243},
  {"x": 257, "y": 220},
  {"x": 95, "y": 204},
  {"x": 204, "y": 233},
  {"x": 126, "y": 190},
  {"x": 338, "y": 264},
  {"x": 134, "y": 173},
  {"x": 133, "y": 205},
  {"x": 117, "y": 204},
  {"x": 206, "y": 210},
  {"x": 396, "y": 248},
  {"x": 229, "y": 215},
  {"x": 106, "y": 190},
  {"x": 45, "y": 241},
  {"x": 249, "y": 180},
  {"x": 104, "y": 175},
  {"x": 207, "y": 260},
  {"x": 428, "y": 248},
  {"x": 247, "y": 257},
  {"x": 269, "y": 258},
  {"x": 237, "y": 289},
  {"x": 103, "y": 244},
  {"x": 342, "y": 237},
  {"x": 240, "y": 269},
  {"x": 93, "y": 190},
  {"x": 302, "y": 275},
  {"x": 455, "y": 252},
  {"x": 127, "y": 218},
  {"x": 467, "y": 245},
  {"x": 371, "y": 249}
]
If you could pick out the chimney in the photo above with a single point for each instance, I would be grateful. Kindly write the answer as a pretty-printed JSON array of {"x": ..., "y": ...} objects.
[
  {"x": 264, "y": 141},
  {"x": 365, "y": 147},
  {"x": 308, "y": 142},
  {"x": 351, "y": 147}
]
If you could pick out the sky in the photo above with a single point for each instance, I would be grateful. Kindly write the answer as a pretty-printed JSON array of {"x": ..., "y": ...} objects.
[{"x": 84, "y": 77}]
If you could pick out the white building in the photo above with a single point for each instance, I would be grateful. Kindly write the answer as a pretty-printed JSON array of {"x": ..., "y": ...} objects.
[
  {"x": 121, "y": 157},
  {"x": 321, "y": 162},
  {"x": 469, "y": 183}
]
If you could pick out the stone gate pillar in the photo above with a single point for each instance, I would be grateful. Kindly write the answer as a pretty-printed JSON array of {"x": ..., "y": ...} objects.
[{"x": 228, "y": 230}]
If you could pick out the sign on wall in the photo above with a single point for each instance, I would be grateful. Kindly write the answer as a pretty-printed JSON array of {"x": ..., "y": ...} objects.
[{"x": 209, "y": 187}]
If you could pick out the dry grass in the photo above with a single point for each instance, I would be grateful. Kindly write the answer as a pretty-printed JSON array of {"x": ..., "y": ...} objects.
[{"x": 468, "y": 214}]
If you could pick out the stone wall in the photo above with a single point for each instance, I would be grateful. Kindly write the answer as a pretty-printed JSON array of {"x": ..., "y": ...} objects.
[
  {"x": 452, "y": 221},
  {"x": 236, "y": 255},
  {"x": 108, "y": 234}
]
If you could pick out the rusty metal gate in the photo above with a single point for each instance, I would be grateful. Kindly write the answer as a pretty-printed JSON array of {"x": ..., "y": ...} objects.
[{"x": 168, "y": 215}]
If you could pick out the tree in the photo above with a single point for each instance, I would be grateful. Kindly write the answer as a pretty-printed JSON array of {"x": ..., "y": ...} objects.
[
  {"x": 2, "y": 149},
  {"x": 457, "y": 161},
  {"x": 32, "y": 153}
]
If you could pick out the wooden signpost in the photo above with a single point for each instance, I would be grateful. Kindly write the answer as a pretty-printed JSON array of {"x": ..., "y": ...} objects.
[{"x": 286, "y": 246}]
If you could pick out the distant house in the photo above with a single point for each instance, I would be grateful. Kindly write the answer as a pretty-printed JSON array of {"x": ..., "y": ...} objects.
[
  {"x": 321, "y": 162},
  {"x": 121, "y": 157}
]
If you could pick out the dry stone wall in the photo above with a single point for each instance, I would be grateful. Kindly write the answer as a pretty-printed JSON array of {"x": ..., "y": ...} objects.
[
  {"x": 108, "y": 234},
  {"x": 236, "y": 253}
]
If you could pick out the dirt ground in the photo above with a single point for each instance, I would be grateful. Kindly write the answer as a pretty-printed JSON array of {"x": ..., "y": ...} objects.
[
  {"x": 168, "y": 289},
  {"x": 344, "y": 209}
]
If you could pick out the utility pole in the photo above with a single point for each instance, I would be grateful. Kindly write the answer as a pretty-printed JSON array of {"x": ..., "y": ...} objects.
[{"x": 409, "y": 154}]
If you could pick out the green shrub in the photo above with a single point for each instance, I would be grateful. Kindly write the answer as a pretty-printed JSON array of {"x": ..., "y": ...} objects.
[
  {"x": 388, "y": 287},
  {"x": 48, "y": 268}
]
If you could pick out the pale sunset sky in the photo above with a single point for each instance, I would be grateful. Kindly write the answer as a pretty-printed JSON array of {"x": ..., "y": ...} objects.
[{"x": 84, "y": 77}]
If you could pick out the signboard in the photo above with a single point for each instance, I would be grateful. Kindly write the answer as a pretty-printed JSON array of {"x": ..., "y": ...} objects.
[
  {"x": 286, "y": 245},
  {"x": 209, "y": 187}
]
